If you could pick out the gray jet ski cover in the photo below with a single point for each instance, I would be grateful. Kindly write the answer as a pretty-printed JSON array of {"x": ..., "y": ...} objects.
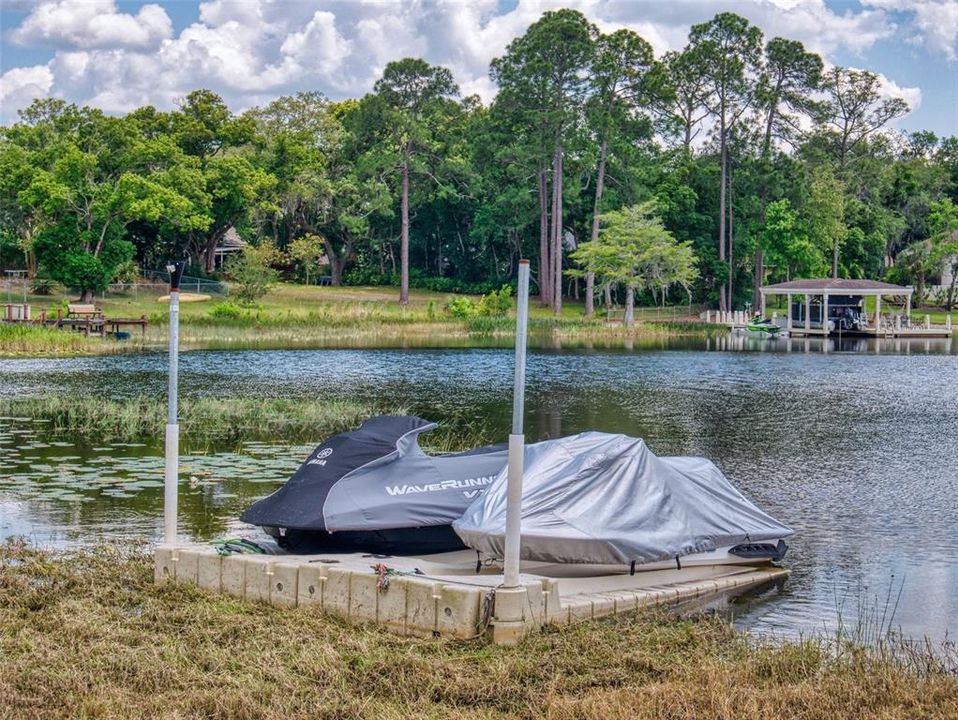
[
  {"x": 608, "y": 499},
  {"x": 376, "y": 478}
]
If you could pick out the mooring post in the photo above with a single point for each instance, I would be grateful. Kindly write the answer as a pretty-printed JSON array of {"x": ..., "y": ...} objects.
[
  {"x": 509, "y": 619},
  {"x": 517, "y": 437},
  {"x": 171, "y": 478}
]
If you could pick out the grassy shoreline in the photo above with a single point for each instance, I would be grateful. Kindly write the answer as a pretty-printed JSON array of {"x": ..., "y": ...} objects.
[
  {"x": 311, "y": 317},
  {"x": 296, "y": 316},
  {"x": 90, "y": 635}
]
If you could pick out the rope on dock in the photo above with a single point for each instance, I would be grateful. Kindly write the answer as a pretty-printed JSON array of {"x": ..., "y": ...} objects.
[{"x": 485, "y": 616}]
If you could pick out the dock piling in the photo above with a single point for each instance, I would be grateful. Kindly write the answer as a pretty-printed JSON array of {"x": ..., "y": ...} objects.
[
  {"x": 517, "y": 438},
  {"x": 509, "y": 621},
  {"x": 171, "y": 475}
]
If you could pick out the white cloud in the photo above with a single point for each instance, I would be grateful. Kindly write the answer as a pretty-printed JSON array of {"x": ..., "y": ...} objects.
[
  {"x": 819, "y": 27},
  {"x": 252, "y": 50},
  {"x": 90, "y": 24},
  {"x": 21, "y": 86},
  {"x": 933, "y": 24},
  {"x": 318, "y": 45},
  {"x": 891, "y": 89},
  {"x": 219, "y": 12}
]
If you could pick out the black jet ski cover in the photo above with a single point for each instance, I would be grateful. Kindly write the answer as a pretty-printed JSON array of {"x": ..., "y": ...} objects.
[{"x": 377, "y": 478}]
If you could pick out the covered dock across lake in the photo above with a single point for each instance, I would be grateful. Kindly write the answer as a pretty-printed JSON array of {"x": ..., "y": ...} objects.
[{"x": 834, "y": 306}]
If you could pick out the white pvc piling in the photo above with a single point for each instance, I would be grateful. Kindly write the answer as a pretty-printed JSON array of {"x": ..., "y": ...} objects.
[
  {"x": 517, "y": 438},
  {"x": 171, "y": 476}
]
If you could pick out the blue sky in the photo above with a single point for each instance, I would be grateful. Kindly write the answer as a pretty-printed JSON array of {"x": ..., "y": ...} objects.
[{"x": 119, "y": 54}]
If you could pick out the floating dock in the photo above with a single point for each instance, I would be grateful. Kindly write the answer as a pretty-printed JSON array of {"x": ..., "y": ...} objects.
[{"x": 443, "y": 595}]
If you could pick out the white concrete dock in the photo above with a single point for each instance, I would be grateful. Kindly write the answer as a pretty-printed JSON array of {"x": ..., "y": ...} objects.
[{"x": 442, "y": 595}]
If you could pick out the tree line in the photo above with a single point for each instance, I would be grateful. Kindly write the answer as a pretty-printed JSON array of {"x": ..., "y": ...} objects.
[{"x": 759, "y": 161}]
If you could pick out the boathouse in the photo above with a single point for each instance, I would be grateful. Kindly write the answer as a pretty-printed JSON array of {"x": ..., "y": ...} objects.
[{"x": 834, "y": 306}]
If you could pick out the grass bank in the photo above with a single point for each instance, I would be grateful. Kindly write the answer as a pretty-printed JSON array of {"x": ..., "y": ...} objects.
[
  {"x": 208, "y": 420},
  {"x": 298, "y": 316},
  {"x": 91, "y": 636}
]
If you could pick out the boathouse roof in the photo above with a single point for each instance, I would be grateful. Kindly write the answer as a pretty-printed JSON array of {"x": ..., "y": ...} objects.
[{"x": 836, "y": 286}]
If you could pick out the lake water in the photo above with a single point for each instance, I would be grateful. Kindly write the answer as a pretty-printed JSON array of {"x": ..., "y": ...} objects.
[{"x": 853, "y": 445}]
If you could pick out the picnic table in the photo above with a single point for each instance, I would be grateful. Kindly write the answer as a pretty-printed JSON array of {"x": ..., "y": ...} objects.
[{"x": 89, "y": 319}]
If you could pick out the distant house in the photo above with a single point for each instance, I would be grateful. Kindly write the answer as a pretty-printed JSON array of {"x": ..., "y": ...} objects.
[{"x": 231, "y": 243}]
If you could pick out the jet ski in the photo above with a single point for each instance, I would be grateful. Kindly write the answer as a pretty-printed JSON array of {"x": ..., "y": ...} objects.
[
  {"x": 764, "y": 326},
  {"x": 374, "y": 489},
  {"x": 606, "y": 504}
]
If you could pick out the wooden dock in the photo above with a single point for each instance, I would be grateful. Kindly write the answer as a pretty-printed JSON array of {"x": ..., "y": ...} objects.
[
  {"x": 86, "y": 319},
  {"x": 98, "y": 326}
]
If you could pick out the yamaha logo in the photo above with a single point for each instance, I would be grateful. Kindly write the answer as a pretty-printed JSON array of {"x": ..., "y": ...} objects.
[{"x": 321, "y": 456}]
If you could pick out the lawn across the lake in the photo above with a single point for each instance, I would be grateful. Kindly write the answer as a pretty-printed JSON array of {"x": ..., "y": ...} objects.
[
  {"x": 300, "y": 316},
  {"x": 90, "y": 635}
]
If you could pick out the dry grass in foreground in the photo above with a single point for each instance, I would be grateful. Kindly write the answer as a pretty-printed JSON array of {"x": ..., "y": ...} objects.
[{"x": 91, "y": 636}]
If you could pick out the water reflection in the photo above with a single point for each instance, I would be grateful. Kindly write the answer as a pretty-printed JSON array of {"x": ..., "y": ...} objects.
[
  {"x": 58, "y": 493},
  {"x": 751, "y": 342},
  {"x": 852, "y": 444}
]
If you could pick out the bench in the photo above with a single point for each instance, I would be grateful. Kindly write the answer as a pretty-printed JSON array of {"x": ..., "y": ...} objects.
[
  {"x": 324, "y": 280},
  {"x": 83, "y": 312}
]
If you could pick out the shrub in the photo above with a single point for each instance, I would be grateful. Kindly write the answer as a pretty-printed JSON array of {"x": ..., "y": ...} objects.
[
  {"x": 450, "y": 284},
  {"x": 368, "y": 276},
  {"x": 497, "y": 303},
  {"x": 462, "y": 308},
  {"x": 128, "y": 272},
  {"x": 42, "y": 286},
  {"x": 227, "y": 311},
  {"x": 252, "y": 273}
]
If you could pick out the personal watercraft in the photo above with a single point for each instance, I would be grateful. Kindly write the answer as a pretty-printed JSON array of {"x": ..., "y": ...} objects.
[{"x": 374, "y": 489}]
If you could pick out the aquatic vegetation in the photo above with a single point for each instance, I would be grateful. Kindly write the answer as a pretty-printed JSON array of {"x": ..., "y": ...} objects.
[
  {"x": 596, "y": 328},
  {"x": 688, "y": 328},
  {"x": 116, "y": 488},
  {"x": 95, "y": 618},
  {"x": 203, "y": 419},
  {"x": 219, "y": 421}
]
